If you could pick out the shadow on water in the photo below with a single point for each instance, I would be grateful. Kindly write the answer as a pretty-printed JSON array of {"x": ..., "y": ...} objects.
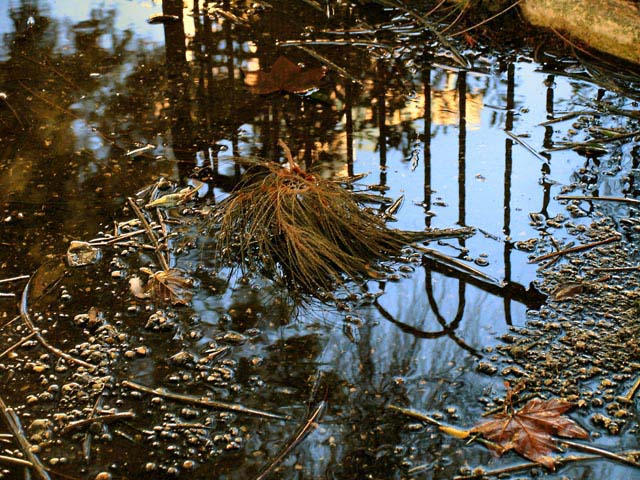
[{"x": 88, "y": 87}]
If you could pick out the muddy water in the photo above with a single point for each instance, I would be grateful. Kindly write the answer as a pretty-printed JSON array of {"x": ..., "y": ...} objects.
[{"x": 86, "y": 86}]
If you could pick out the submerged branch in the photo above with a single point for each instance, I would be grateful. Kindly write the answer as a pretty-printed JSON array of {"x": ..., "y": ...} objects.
[
  {"x": 631, "y": 201},
  {"x": 204, "y": 402},
  {"x": 24, "y": 314},
  {"x": 107, "y": 418},
  {"x": 150, "y": 233},
  {"x": 578, "y": 248},
  {"x": 304, "y": 429},
  {"x": 13, "y": 422}
]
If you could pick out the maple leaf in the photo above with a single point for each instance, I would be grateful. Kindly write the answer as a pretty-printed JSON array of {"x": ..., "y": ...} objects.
[
  {"x": 529, "y": 430},
  {"x": 284, "y": 76},
  {"x": 169, "y": 285}
]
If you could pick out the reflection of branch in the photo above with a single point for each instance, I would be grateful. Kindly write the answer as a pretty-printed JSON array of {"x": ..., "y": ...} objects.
[
  {"x": 416, "y": 332},
  {"x": 304, "y": 429},
  {"x": 531, "y": 297}
]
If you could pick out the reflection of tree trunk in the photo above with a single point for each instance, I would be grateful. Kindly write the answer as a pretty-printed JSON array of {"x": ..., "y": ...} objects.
[
  {"x": 508, "y": 168},
  {"x": 177, "y": 79},
  {"x": 462, "y": 149},
  {"x": 348, "y": 108},
  {"x": 382, "y": 122},
  {"x": 427, "y": 144}
]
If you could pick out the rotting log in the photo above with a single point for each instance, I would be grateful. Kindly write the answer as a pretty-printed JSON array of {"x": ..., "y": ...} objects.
[{"x": 611, "y": 26}]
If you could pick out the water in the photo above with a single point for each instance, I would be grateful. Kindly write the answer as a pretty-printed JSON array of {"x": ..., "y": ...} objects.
[{"x": 87, "y": 84}]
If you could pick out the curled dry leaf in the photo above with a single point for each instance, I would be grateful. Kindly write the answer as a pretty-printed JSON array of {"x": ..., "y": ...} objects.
[
  {"x": 169, "y": 285},
  {"x": 529, "y": 430},
  {"x": 284, "y": 76}
]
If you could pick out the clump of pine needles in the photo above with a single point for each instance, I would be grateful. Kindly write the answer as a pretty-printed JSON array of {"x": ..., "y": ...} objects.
[{"x": 311, "y": 232}]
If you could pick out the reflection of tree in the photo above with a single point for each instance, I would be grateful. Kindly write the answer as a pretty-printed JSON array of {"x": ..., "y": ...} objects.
[{"x": 47, "y": 175}]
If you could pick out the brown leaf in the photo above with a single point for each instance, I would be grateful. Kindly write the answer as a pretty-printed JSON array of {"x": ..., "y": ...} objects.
[
  {"x": 284, "y": 76},
  {"x": 170, "y": 285},
  {"x": 567, "y": 291},
  {"x": 529, "y": 430}
]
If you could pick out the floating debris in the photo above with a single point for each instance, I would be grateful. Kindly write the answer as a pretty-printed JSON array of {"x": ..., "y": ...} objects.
[{"x": 80, "y": 254}]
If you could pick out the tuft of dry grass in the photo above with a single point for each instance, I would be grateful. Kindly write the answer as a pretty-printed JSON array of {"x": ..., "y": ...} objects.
[{"x": 310, "y": 232}]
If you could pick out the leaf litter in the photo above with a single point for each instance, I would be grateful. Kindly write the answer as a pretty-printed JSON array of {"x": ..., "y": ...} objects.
[
  {"x": 529, "y": 431},
  {"x": 284, "y": 76}
]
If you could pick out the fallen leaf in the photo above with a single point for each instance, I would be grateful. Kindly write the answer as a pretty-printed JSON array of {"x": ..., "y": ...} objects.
[
  {"x": 529, "y": 430},
  {"x": 284, "y": 76},
  {"x": 567, "y": 291},
  {"x": 169, "y": 285}
]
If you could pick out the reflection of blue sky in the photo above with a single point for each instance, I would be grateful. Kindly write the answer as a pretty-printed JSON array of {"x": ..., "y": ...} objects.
[
  {"x": 484, "y": 183},
  {"x": 130, "y": 15}
]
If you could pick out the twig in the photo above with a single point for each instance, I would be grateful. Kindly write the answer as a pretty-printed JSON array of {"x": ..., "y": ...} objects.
[
  {"x": 521, "y": 142},
  {"x": 634, "y": 389},
  {"x": 14, "y": 279},
  {"x": 163, "y": 225},
  {"x": 304, "y": 429},
  {"x": 631, "y": 201},
  {"x": 599, "y": 451},
  {"x": 487, "y": 20},
  {"x": 24, "y": 313},
  {"x": 553, "y": 261},
  {"x": 13, "y": 320},
  {"x": 500, "y": 408},
  {"x": 589, "y": 143},
  {"x": 13, "y": 422},
  {"x": 616, "y": 269},
  {"x": 458, "y": 264},
  {"x": 86, "y": 442},
  {"x": 568, "y": 116},
  {"x": 15, "y": 461},
  {"x": 109, "y": 241},
  {"x": 440, "y": 233},
  {"x": 457, "y": 56},
  {"x": 417, "y": 415},
  {"x": 578, "y": 248},
  {"x": 523, "y": 466},
  {"x": 331, "y": 64},
  {"x": 7, "y": 295},
  {"x": 17, "y": 344},
  {"x": 150, "y": 233},
  {"x": 453, "y": 431},
  {"x": 234, "y": 407},
  {"x": 110, "y": 417}
]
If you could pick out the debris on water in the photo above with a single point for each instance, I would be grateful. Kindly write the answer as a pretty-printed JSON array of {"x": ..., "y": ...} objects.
[
  {"x": 80, "y": 254},
  {"x": 159, "y": 18},
  {"x": 567, "y": 291},
  {"x": 169, "y": 285},
  {"x": 140, "y": 151}
]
